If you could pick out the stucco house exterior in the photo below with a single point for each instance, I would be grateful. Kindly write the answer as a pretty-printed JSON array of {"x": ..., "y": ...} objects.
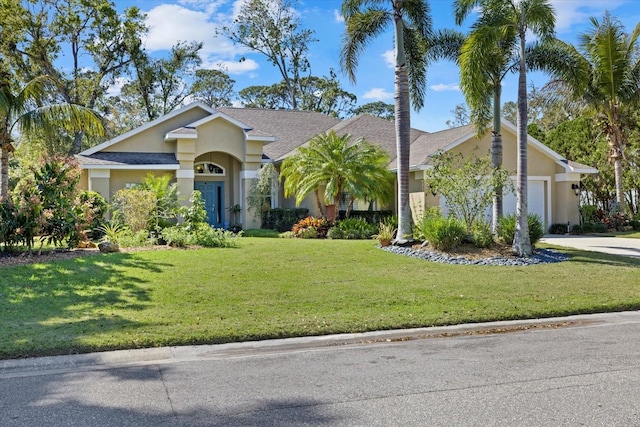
[{"x": 220, "y": 151}]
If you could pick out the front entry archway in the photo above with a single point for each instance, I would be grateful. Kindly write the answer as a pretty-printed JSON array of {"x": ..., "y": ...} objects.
[{"x": 213, "y": 195}]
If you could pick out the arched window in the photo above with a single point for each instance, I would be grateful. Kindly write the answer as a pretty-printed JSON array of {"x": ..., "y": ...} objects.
[{"x": 208, "y": 168}]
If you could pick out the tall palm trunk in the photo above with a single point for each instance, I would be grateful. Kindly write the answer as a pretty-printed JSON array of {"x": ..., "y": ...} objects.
[
  {"x": 403, "y": 135},
  {"x": 496, "y": 157},
  {"x": 521, "y": 241},
  {"x": 615, "y": 139}
]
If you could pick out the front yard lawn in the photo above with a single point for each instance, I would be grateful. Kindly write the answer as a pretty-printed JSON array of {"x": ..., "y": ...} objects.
[{"x": 270, "y": 288}]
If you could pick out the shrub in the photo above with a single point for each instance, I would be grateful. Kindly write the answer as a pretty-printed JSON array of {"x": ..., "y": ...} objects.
[
  {"x": 259, "y": 232},
  {"x": 599, "y": 227},
  {"x": 93, "y": 209},
  {"x": 166, "y": 196},
  {"x": 282, "y": 219},
  {"x": 135, "y": 208},
  {"x": 335, "y": 233},
  {"x": 372, "y": 217},
  {"x": 481, "y": 234},
  {"x": 443, "y": 233},
  {"x": 575, "y": 229},
  {"x": 558, "y": 228},
  {"x": 507, "y": 228},
  {"x": 211, "y": 237},
  {"x": 176, "y": 236},
  {"x": 320, "y": 227},
  {"x": 352, "y": 228},
  {"x": 635, "y": 224},
  {"x": 429, "y": 214}
]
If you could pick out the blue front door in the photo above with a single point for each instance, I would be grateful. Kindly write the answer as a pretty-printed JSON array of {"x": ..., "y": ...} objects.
[{"x": 213, "y": 195}]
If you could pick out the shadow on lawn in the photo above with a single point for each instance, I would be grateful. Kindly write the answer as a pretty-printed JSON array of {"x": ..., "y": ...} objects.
[{"x": 49, "y": 308}]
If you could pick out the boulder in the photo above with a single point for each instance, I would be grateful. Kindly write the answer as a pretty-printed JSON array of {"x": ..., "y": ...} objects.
[{"x": 107, "y": 247}]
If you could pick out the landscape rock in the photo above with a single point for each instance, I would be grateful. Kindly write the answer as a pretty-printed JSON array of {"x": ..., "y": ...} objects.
[{"x": 108, "y": 247}]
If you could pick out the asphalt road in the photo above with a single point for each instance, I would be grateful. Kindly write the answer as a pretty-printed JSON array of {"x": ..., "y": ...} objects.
[{"x": 582, "y": 370}]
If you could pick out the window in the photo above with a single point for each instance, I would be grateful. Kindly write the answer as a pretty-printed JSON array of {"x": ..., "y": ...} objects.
[{"x": 208, "y": 168}]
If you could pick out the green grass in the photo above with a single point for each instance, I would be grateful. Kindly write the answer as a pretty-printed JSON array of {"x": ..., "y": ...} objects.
[{"x": 270, "y": 288}]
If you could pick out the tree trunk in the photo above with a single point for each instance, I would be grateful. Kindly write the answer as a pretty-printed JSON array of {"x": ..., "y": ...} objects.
[
  {"x": 522, "y": 242},
  {"x": 403, "y": 137},
  {"x": 496, "y": 158},
  {"x": 615, "y": 139},
  {"x": 4, "y": 170}
]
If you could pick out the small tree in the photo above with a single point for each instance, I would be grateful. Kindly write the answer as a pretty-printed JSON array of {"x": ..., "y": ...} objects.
[
  {"x": 259, "y": 196},
  {"x": 466, "y": 184}
]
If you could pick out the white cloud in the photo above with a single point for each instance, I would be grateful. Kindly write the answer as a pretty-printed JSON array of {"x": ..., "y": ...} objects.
[
  {"x": 117, "y": 85},
  {"x": 445, "y": 87},
  {"x": 235, "y": 67},
  {"x": 576, "y": 12},
  {"x": 170, "y": 23},
  {"x": 337, "y": 16},
  {"x": 379, "y": 94},
  {"x": 390, "y": 58}
]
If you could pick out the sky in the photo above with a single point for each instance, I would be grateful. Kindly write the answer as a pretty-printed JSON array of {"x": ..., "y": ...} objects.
[{"x": 170, "y": 21}]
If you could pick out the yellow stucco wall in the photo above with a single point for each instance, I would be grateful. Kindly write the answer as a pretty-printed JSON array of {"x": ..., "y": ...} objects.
[
  {"x": 220, "y": 135},
  {"x": 152, "y": 139}
]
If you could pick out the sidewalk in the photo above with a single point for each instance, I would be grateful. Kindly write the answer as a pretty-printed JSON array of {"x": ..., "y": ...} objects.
[{"x": 608, "y": 245}]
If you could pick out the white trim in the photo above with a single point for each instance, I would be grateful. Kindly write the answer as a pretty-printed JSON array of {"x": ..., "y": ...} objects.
[
  {"x": 248, "y": 174},
  {"x": 176, "y": 135},
  {"x": 99, "y": 173},
  {"x": 567, "y": 177},
  {"x": 185, "y": 173},
  {"x": 146, "y": 126},
  {"x": 132, "y": 167},
  {"x": 265, "y": 139}
]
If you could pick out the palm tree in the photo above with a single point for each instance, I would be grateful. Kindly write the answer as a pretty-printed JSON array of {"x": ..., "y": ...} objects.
[
  {"x": 330, "y": 161},
  {"x": 484, "y": 63},
  {"x": 505, "y": 25},
  {"x": 366, "y": 19},
  {"x": 604, "y": 74},
  {"x": 27, "y": 111}
]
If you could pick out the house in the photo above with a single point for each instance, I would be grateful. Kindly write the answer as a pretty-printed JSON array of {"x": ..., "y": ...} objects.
[{"x": 220, "y": 151}]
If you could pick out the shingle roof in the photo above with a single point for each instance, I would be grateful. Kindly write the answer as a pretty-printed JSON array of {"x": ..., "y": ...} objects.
[
  {"x": 429, "y": 143},
  {"x": 291, "y": 128},
  {"x": 374, "y": 130},
  {"x": 122, "y": 158}
]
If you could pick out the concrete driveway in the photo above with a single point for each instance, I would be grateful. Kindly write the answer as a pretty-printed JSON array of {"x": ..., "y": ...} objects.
[{"x": 608, "y": 245}]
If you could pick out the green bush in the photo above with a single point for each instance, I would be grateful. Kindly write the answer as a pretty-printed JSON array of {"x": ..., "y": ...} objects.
[
  {"x": 443, "y": 233},
  {"x": 372, "y": 217},
  {"x": 94, "y": 207},
  {"x": 481, "y": 234},
  {"x": 135, "y": 208},
  {"x": 176, "y": 236},
  {"x": 259, "y": 232},
  {"x": 352, "y": 228},
  {"x": 558, "y": 228},
  {"x": 211, "y": 237},
  {"x": 282, "y": 219},
  {"x": 428, "y": 215},
  {"x": 635, "y": 224},
  {"x": 335, "y": 233},
  {"x": 507, "y": 228},
  {"x": 575, "y": 229},
  {"x": 205, "y": 235}
]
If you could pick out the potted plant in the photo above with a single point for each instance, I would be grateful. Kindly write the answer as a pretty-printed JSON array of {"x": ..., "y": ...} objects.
[{"x": 385, "y": 235}]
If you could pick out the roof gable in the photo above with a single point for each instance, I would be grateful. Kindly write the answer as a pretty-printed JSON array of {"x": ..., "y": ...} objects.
[{"x": 149, "y": 125}]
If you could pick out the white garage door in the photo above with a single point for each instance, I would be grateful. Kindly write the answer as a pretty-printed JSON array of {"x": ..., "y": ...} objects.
[
  {"x": 535, "y": 199},
  {"x": 535, "y": 191}
]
